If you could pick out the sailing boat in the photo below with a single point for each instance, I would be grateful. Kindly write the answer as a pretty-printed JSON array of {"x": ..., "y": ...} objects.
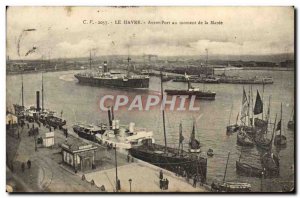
[
  {"x": 194, "y": 145},
  {"x": 263, "y": 142},
  {"x": 291, "y": 123},
  {"x": 258, "y": 109},
  {"x": 260, "y": 139},
  {"x": 243, "y": 139},
  {"x": 169, "y": 158},
  {"x": 234, "y": 127},
  {"x": 280, "y": 139}
]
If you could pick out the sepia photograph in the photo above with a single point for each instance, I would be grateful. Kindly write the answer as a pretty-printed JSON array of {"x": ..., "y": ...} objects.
[{"x": 150, "y": 99}]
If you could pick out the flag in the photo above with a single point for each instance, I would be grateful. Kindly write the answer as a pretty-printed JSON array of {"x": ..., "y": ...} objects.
[
  {"x": 258, "y": 107},
  {"x": 245, "y": 106},
  {"x": 278, "y": 126}
]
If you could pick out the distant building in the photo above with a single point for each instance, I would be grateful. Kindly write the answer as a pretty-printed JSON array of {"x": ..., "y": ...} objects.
[
  {"x": 78, "y": 155},
  {"x": 287, "y": 63}
]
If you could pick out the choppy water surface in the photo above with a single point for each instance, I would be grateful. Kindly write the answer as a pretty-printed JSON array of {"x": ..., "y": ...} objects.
[{"x": 80, "y": 103}]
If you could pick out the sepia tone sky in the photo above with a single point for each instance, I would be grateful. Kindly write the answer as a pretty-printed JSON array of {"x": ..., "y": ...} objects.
[{"x": 60, "y": 32}]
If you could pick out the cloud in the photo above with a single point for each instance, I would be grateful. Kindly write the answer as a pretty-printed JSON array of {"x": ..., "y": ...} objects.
[{"x": 61, "y": 32}]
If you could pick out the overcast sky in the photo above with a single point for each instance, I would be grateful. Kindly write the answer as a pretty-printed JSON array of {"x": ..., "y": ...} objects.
[{"x": 60, "y": 32}]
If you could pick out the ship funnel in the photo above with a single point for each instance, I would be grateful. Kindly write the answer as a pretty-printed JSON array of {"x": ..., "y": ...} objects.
[
  {"x": 105, "y": 68},
  {"x": 109, "y": 117},
  {"x": 38, "y": 108},
  {"x": 112, "y": 113},
  {"x": 131, "y": 127}
]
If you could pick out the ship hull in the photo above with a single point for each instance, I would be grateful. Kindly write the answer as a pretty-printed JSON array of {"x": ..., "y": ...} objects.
[
  {"x": 119, "y": 82},
  {"x": 248, "y": 170},
  {"x": 171, "y": 159},
  {"x": 198, "y": 94}
]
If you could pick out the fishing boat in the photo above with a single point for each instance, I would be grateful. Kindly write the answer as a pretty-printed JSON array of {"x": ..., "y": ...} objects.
[
  {"x": 50, "y": 117},
  {"x": 194, "y": 144},
  {"x": 243, "y": 139},
  {"x": 262, "y": 141},
  {"x": 170, "y": 158},
  {"x": 225, "y": 186},
  {"x": 291, "y": 122},
  {"x": 280, "y": 139}
]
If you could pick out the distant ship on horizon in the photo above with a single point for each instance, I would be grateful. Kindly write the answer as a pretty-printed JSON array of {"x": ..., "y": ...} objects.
[{"x": 107, "y": 78}]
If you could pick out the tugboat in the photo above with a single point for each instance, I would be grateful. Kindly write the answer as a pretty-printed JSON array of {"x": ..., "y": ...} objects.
[
  {"x": 280, "y": 139},
  {"x": 191, "y": 91},
  {"x": 123, "y": 137},
  {"x": 170, "y": 158},
  {"x": 113, "y": 79},
  {"x": 194, "y": 145}
]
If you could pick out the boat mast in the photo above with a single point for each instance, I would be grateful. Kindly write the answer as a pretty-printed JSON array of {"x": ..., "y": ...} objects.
[
  {"x": 180, "y": 147},
  {"x": 22, "y": 92},
  {"x": 281, "y": 120},
  {"x": 226, "y": 167},
  {"x": 249, "y": 108},
  {"x": 230, "y": 114},
  {"x": 252, "y": 113},
  {"x": 163, "y": 111}
]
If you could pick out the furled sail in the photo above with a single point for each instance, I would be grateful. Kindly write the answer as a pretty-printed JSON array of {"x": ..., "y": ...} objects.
[{"x": 245, "y": 106}]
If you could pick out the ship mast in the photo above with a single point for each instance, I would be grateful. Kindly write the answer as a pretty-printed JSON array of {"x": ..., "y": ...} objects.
[
  {"x": 163, "y": 111},
  {"x": 42, "y": 92},
  {"x": 90, "y": 59},
  {"x": 22, "y": 92}
]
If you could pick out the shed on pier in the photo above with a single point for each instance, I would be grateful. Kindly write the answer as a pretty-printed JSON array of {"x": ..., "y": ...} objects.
[{"x": 78, "y": 155}]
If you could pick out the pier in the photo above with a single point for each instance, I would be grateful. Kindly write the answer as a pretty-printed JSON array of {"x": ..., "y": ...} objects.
[{"x": 48, "y": 172}]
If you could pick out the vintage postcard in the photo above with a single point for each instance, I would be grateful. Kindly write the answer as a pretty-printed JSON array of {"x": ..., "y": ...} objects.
[{"x": 150, "y": 99}]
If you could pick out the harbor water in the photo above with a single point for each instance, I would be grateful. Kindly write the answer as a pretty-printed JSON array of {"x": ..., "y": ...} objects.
[{"x": 80, "y": 103}]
